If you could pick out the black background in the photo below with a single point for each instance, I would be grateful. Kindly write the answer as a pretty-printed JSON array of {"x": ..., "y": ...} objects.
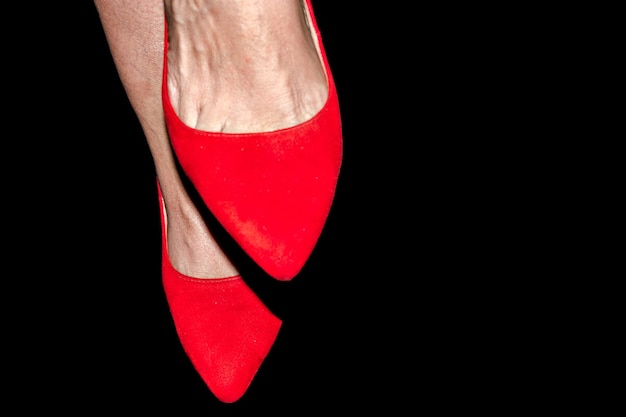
[{"x": 395, "y": 308}]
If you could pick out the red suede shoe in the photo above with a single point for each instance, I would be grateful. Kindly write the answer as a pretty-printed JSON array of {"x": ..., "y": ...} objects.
[
  {"x": 224, "y": 328},
  {"x": 271, "y": 191}
]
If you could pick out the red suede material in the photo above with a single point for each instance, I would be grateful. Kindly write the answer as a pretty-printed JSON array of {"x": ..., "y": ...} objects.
[
  {"x": 271, "y": 191},
  {"x": 224, "y": 328}
]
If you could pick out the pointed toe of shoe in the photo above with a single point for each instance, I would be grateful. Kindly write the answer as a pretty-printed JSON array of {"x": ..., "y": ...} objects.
[{"x": 224, "y": 329}]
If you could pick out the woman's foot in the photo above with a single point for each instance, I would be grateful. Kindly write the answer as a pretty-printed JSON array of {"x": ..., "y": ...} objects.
[
  {"x": 256, "y": 61},
  {"x": 224, "y": 328},
  {"x": 253, "y": 118},
  {"x": 192, "y": 249}
]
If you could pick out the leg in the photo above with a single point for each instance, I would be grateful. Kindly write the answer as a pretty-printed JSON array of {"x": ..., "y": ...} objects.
[
  {"x": 134, "y": 31},
  {"x": 224, "y": 328},
  {"x": 263, "y": 73}
]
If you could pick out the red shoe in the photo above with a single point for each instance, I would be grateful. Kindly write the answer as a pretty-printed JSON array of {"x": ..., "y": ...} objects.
[
  {"x": 271, "y": 191},
  {"x": 224, "y": 328}
]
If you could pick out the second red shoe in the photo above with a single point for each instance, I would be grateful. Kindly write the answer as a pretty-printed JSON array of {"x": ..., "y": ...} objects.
[{"x": 224, "y": 328}]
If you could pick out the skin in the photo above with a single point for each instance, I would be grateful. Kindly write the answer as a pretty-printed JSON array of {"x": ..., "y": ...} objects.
[{"x": 233, "y": 66}]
